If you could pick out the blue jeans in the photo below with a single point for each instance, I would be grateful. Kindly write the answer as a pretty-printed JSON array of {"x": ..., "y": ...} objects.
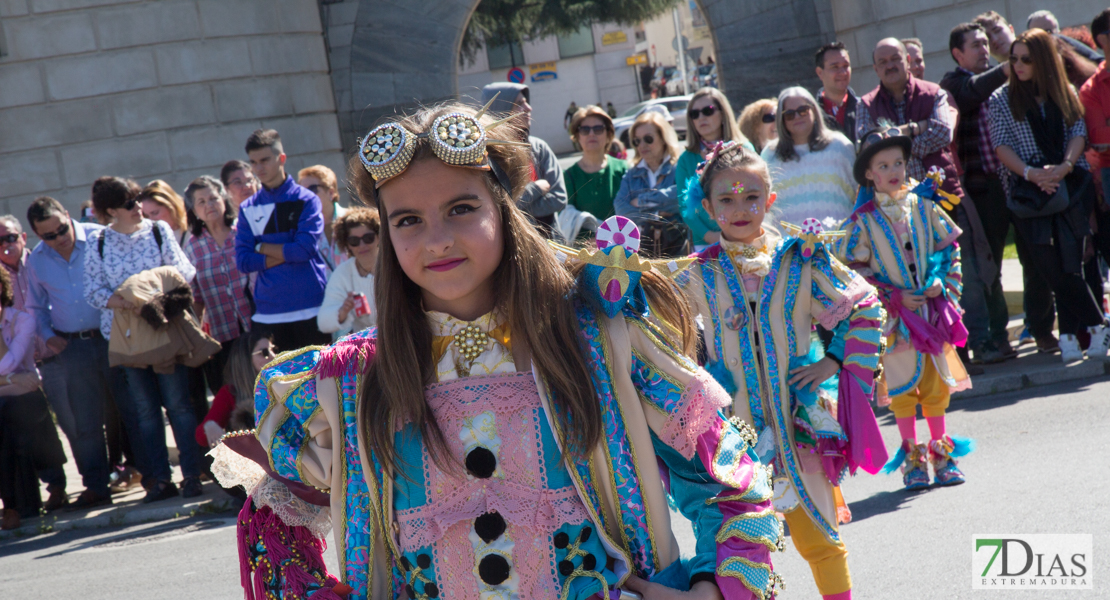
[
  {"x": 76, "y": 383},
  {"x": 141, "y": 410}
]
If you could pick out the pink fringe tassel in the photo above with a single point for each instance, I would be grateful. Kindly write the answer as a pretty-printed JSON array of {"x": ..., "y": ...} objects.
[
  {"x": 346, "y": 357},
  {"x": 291, "y": 558}
]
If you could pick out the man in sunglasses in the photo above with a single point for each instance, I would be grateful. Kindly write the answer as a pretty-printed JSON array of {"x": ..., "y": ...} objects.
[
  {"x": 924, "y": 112},
  {"x": 837, "y": 98},
  {"x": 76, "y": 379}
]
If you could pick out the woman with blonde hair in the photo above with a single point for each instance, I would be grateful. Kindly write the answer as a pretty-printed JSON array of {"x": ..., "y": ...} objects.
[
  {"x": 593, "y": 181},
  {"x": 648, "y": 194},
  {"x": 161, "y": 203},
  {"x": 1037, "y": 127},
  {"x": 710, "y": 122},
  {"x": 757, "y": 123}
]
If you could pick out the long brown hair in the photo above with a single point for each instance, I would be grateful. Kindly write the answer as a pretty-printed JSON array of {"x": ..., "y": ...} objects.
[
  {"x": 534, "y": 290},
  {"x": 1049, "y": 79}
]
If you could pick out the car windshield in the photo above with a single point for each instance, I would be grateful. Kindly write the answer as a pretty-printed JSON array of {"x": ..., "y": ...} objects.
[
  {"x": 635, "y": 110},
  {"x": 705, "y": 69}
]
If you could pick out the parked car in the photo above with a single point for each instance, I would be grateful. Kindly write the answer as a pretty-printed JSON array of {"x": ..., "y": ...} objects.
[
  {"x": 663, "y": 75},
  {"x": 675, "y": 105},
  {"x": 703, "y": 76}
]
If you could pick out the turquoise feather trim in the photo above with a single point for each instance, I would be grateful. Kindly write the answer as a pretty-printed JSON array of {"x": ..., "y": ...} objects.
[
  {"x": 895, "y": 461},
  {"x": 962, "y": 446}
]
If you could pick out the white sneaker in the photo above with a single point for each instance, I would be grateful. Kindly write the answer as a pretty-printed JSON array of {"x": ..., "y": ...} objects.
[
  {"x": 1100, "y": 341},
  {"x": 1070, "y": 351}
]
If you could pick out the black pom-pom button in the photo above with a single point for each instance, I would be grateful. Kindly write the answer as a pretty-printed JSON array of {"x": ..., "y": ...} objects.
[
  {"x": 432, "y": 590},
  {"x": 566, "y": 567},
  {"x": 913, "y": 268},
  {"x": 489, "y": 526},
  {"x": 481, "y": 462},
  {"x": 585, "y": 535},
  {"x": 561, "y": 540},
  {"x": 405, "y": 563},
  {"x": 493, "y": 569},
  {"x": 589, "y": 562},
  {"x": 411, "y": 592},
  {"x": 423, "y": 561}
]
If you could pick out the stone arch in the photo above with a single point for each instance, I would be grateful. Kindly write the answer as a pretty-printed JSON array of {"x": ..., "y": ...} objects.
[{"x": 405, "y": 52}]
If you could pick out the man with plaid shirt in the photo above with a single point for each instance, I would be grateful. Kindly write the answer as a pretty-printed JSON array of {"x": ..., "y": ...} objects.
[
  {"x": 970, "y": 86},
  {"x": 924, "y": 112}
]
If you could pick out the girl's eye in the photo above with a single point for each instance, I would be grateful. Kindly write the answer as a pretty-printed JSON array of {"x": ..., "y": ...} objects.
[
  {"x": 407, "y": 221},
  {"x": 725, "y": 199},
  {"x": 462, "y": 209},
  {"x": 752, "y": 198}
]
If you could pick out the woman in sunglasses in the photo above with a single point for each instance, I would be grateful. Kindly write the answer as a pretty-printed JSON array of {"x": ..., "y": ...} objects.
[
  {"x": 129, "y": 246},
  {"x": 757, "y": 123},
  {"x": 321, "y": 181},
  {"x": 647, "y": 194},
  {"x": 593, "y": 181},
  {"x": 349, "y": 297},
  {"x": 811, "y": 162},
  {"x": 709, "y": 122},
  {"x": 220, "y": 289},
  {"x": 1037, "y": 127}
]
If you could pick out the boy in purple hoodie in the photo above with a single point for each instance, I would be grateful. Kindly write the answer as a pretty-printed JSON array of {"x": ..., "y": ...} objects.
[{"x": 277, "y": 238}]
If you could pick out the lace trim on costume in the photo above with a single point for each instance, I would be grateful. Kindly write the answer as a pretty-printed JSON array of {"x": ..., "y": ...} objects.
[
  {"x": 842, "y": 308},
  {"x": 696, "y": 413},
  {"x": 543, "y": 510},
  {"x": 750, "y": 259},
  {"x": 232, "y": 469}
]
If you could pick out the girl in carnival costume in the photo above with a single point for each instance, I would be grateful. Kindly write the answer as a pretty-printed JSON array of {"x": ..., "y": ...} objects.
[
  {"x": 515, "y": 424},
  {"x": 905, "y": 244},
  {"x": 760, "y": 294}
]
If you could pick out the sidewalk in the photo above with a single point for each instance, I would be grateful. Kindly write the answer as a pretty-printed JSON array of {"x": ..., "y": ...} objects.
[{"x": 127, "y": 508}]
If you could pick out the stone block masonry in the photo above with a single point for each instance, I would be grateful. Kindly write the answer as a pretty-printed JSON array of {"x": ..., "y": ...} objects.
[{"x": 148, "y": 89}]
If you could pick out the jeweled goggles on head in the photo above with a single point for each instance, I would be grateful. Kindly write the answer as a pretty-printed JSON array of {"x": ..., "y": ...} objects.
[
  {"x": 878, "y": 136},
  {"x": 457, "y": 139}
]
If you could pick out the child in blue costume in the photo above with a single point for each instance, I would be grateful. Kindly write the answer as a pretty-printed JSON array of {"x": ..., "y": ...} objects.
[
  {"x": 760, "y": 294},
  {"x": 517, "y": 424}
]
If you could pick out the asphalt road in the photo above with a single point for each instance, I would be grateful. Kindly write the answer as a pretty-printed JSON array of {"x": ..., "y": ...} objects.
[{"x": 1041, "y": 467}]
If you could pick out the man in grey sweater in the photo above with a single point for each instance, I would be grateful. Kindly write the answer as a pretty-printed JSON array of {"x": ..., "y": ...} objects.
[{"x": 546, "y": 195}]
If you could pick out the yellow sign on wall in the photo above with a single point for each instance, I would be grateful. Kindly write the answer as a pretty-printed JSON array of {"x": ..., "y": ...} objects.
[
  {"x": 544, "y": 71},
  {"x": 636, "y": 59},
  {"x": 614, "y": 37}
]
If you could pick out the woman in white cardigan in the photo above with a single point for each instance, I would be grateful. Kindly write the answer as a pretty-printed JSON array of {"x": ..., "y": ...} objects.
[{"x": 349, "y": 297}]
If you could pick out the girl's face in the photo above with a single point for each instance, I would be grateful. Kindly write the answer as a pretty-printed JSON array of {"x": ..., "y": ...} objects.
[
  {"x": 651, "y": 152},
  {"x": 1019, "y": 54},
  {"x": 208, "y": 206},
  {"x": 887, "y": 170},
  {"x": 262, "y": 353},
  {"x": 798, "y": 116},
  {"x": 156, "y": 212},
  {"x": 708, "y": 127},
  {"x": 738, "y": 201},
  {"x": 593, "y": 134},
  {"x": 445, "y": 229}
]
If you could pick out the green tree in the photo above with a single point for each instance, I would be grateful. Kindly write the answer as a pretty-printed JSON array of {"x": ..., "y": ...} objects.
[{"x": 502, "y": 22}]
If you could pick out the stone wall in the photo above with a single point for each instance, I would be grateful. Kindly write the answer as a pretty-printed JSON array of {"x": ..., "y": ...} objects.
[
  {"x": 166, "y": 89},
  {"x": 860, "y": 24}
]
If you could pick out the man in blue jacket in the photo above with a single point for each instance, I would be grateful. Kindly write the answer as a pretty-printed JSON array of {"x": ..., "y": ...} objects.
[{"x": 277, "y": 238}]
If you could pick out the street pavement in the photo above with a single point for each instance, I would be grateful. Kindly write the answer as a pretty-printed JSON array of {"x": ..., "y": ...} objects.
[{"x": 1040, "y": 468}]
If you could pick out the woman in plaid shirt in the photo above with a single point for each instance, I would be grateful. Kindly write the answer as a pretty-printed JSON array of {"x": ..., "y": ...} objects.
[{"x": 220, "y": 289}]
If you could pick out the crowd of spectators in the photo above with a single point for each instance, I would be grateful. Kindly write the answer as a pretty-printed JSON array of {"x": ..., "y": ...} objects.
[{"x": 152, "y": 301}]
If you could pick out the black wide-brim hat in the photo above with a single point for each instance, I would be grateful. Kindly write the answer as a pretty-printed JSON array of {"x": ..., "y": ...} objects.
[{"x": 875, "y": 142}]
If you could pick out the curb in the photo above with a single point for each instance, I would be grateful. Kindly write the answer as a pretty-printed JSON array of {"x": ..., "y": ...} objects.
[
  {"x": 985, "y": 385},
  {"x": 122, "y": 516}
]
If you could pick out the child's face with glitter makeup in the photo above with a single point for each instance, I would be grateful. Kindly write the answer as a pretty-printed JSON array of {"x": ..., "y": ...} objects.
[{"x": 738, "y": 201}]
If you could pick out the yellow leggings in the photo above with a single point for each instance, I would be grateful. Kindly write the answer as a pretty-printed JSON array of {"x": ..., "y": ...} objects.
[
  {"x": 827, "y": 560},
  {"x": 931, "y": 393}
]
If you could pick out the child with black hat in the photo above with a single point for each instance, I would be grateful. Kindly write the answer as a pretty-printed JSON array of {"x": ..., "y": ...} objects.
[{"x": 906, "y": 246}]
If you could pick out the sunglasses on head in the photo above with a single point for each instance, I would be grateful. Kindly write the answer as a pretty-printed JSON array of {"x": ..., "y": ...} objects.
[
  {"x": 801, "y": 111},
  {"x": 10, "y": 238},
  {"x": 647, "y": 139},
  {"x": 879, "y": 136},
  {"x": 62, "y": 230},
  {"x": 366, "y": 238},
  {"x": 702, "y": 112},
  {"x": 588, "y": 129},
  {"x": 1025, "y": 59},
  {"x": 768, "y": 117}
]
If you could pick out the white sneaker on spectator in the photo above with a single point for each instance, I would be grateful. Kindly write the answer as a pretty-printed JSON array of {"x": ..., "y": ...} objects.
[
  {"x": 1100, "y": 341},
  {"x": 1070, "y": 351}
]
